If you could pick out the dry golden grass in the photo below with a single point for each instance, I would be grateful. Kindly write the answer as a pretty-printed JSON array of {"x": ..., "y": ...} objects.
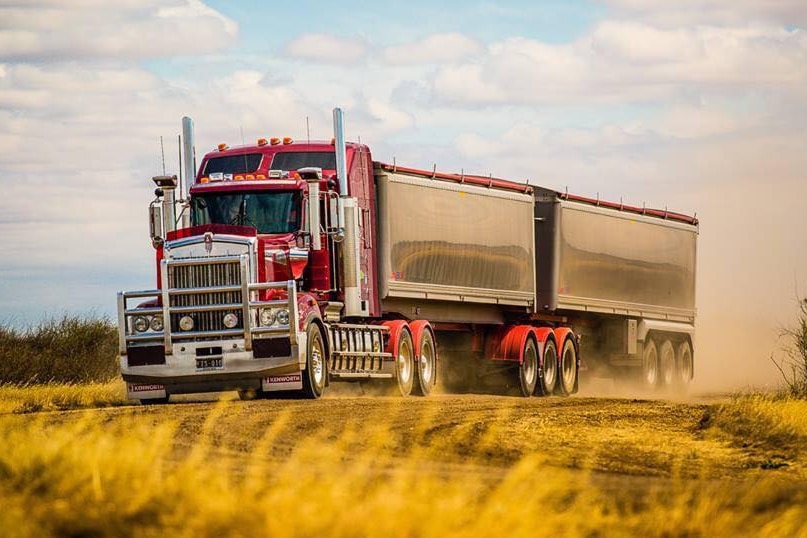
[
  {"x": 182, "y": 470},
  {"x": 61, "y": 396}
]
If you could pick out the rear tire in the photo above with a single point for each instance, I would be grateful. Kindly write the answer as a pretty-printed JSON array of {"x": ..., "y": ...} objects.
[
  {"x": 549, "y": 380},
  {"x": 568, "y": 369},
  {"x": 650, "y": 366},
  {"x": 684, "y": 364},
  {"x": 316, "y": 371},
  {"x": 405, "y": 363},
  {"x": 426, "y": 371},
  {"x": 667, "y": 364},
  {"x": 528, "y": 369}
]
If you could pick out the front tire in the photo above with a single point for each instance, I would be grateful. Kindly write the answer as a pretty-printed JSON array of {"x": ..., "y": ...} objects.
[
  {"x": 426, "y": 371},
  {"x": 315, "y": 372}
]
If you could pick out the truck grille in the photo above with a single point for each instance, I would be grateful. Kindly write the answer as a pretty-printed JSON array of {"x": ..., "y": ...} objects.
[{"x": 202, "y": 276}]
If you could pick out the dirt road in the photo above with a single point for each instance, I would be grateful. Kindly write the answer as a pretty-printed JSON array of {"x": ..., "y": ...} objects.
[{"x": 462, "y": 433}]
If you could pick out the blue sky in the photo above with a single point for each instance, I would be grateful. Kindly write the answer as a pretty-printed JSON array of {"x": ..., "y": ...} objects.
[{"x": 696, "y": 105}]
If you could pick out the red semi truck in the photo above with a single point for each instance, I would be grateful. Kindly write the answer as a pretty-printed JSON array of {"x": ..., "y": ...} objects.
[{"x": 299, "y": 264}]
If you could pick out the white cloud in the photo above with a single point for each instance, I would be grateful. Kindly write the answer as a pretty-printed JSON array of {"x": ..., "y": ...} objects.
[
  {"x": 626, "y": 61},
  {"x": 54, "y": 31},
  {"x": 720, "y": 12},
  {"x": 327, "y": 48},
  {"x": 434, "y": 49}
]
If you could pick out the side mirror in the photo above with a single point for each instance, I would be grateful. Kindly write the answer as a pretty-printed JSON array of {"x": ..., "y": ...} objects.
[{"x": 156, "y": 225}]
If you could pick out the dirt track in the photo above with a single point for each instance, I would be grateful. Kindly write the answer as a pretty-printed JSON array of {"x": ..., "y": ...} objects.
[{"x": 461, "y": 433}]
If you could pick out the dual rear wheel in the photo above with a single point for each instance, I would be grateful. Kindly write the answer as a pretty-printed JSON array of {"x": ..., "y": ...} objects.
[
  {"x": 559, "y": 372},
  {"x": 666, "y": 365}
]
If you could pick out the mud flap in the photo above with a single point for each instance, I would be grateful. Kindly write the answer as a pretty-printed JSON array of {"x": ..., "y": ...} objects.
[
  {"x": 139, "y": 391},
  {"x": 282, "y": 382}
]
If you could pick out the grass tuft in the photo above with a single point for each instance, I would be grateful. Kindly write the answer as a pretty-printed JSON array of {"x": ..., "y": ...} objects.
[{"x": 70, "y": 349}]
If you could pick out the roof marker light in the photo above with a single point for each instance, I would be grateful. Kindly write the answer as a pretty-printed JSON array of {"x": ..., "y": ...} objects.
[
  {"x": 223, "y": 146},
  {"x": 249, "y": 177},
  {"x": 260, "y": 176},
  {"x": 205, "y": 179},
  {"x": 287, "y": 140},
  {"x": 239, "y": 177},
  {"x": 274, "y": 141},
  {"x": 262, "y": 142}
]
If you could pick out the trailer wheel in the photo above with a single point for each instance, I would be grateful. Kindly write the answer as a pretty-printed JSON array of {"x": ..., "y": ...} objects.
[
  {"x": 667, "y": 364},
  {"x": 528, "y": 369},
  {"x": 315, "y": 374},
  {"x": 405, "y": 363},
  {"x": 568, "y": 369},
  {"x": 684, "y": 366},
  {"x": 650, "y": 364},
  {"x": 548, "y": 381},
  {"x": 426, "y": 371}
]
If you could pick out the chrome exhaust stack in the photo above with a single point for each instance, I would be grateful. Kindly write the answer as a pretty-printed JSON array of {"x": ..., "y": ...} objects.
[{"x": 349, "y": 230}]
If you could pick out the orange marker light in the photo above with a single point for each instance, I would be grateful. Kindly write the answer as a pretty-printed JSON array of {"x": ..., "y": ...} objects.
[
  {"x": 274, "y": 141},
  {"x": 262, "y": 142},
  {"x": 204, "y": 180},
  {"x": 260, "y": 176},
  {"x": 287, "y": 140},
  {"x": 239, "y": 177},
  {"x": 249, "y": 177},
  {"x": 223, "y": 146}
]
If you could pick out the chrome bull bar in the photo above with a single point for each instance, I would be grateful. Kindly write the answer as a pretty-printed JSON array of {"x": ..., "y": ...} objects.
[{"x": 249, "y": 308}]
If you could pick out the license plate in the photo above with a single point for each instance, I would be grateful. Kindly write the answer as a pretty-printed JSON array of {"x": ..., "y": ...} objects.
[{"x": 210, "y": 363}]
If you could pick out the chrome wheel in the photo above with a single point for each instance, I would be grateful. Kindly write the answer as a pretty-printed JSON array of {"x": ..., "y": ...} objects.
[
  {"x": 667, "y": 364},
  {"x": 568, "y": 368},
  {"x": 528, "y": 369},
  {"x": 427, "y": 364},
  {"x": 684, "y": 363},
  {"x": 405, "y": 362},
  {"x": 650, "y": 363},
  {"x": 315, "y": 373},
  {"x": 550, "y": 377}
]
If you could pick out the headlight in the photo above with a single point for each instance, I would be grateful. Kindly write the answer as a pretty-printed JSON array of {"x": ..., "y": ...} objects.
[
  {"x": 230, "y": 320},
  {"x": 186, "y": 323},
  {"x": 140, "y": 324},
  {"x": 267, "y": 317},
  {"x": 157, "y": 323},
  {"x": 283, "y": 316}
]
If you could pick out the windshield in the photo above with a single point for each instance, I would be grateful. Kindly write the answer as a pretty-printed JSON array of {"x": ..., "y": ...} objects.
[{"x": 270, "y": 212}]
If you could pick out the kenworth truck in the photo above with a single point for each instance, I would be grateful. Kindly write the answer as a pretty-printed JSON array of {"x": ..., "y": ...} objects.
[{"x": 300, "y": 264}]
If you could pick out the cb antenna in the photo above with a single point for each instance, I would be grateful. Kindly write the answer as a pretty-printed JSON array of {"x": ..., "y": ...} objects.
[
  {"x": 162, "y": 153},
  {"x": 307, "y": 130},
  {"x": 179, "y": 160},
  {"x": 246, "y": 166}
]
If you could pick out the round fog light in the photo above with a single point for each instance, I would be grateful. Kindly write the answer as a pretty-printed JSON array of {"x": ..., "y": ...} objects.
[
  {"x": 230, "y": 320},
  {"x": 157, "y": 323},
  {"x": 267, "y": 317},
  {"x": 186, "y": 323},
  {"x": 140, "y": 324},
  {"x": 283, "y": 316}
]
